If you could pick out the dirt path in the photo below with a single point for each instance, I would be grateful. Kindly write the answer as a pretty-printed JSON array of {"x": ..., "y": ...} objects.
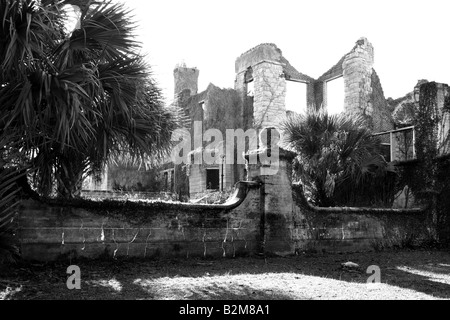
[{"x": 404, "y": 275}]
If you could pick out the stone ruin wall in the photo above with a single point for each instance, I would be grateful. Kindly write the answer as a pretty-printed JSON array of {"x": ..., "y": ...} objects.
[
  {"x": 357, "y": 72},
  {"x": 269, "y": 100},
  {"x": 363, "y": 91},
  {"x": 185, "y": 78},
  {"x": 270, "y": 86}
]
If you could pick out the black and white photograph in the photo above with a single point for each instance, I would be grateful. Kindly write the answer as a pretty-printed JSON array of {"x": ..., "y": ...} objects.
[{"x": 224, "y": 158}]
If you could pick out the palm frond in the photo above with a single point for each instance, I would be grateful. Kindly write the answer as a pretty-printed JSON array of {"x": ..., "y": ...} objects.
[
  {"x": 9, "y": 190},
  {"x": 335, "y": 152},
  {"x": 77, "y": 99}
]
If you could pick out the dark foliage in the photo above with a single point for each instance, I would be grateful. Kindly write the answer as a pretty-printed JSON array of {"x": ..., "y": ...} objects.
[
  {"x": 77, "y": 98},
  {"x": 339, "y": 161}
]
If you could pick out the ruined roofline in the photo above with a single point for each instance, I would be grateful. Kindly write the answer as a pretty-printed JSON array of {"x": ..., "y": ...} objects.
[
  {"x": 338, "y": 65},
  {"x": 289, "y": 69},
  {"x": 269, "y": 52},
  {"x": 273, "y": 45},
  {"x": 177, "y": 67},
  {"x": 200, "y": 96},
  {"x": 408, "y": 94},
  {"x": 335, "y": 67},
  {"x": 292, "y": 73}
]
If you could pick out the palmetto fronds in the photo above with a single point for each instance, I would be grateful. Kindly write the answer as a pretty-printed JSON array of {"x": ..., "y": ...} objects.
[
  {"x": 77, "y": 98},
  {"x": 9, "y": 200},
  {"x": 335, "y": 153}
]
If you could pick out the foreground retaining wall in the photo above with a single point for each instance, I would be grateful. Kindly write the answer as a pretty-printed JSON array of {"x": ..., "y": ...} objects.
[
  {"x": 265, "y": 216},
  {"x": 47, "y": 231},
  {"x": 355, "y": 229}
]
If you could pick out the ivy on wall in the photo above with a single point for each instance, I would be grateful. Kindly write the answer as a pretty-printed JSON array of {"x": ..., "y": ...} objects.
[
  {"x": 426, "y": 120},
  {"x": 447, "y": 102},
  {"x": 428, "y": 177},
  {"x": 138, "y": 212}
]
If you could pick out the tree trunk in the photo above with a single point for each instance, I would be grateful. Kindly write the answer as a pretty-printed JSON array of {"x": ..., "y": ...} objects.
[{"x": 69, "y": 177}]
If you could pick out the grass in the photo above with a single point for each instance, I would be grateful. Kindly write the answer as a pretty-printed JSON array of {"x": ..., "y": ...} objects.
[{"x": 405, "y": 275}]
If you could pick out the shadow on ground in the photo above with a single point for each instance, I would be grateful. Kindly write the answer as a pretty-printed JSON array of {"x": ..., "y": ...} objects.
[{"x": 422, "y": 271}]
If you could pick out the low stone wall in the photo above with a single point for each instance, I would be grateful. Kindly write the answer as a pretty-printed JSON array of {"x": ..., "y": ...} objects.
[
  {"x": 265, "y": 216},
  {"x": 355, "y": 229},
  {"x": 124, "y": 195},
  {"x": 47, "y": 232}
]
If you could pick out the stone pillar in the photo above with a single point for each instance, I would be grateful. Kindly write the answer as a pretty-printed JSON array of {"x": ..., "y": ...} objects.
[
  {"x": 430, "y": 120},
  {"x": 441, "y": 112},
  {"x": 276, "y": 203},
  {"x": 105, "y": 183},
  {"x": 357, "y": 72},
  {"x": 443, "y": 106},
  {"x": 196, "y": 182}
]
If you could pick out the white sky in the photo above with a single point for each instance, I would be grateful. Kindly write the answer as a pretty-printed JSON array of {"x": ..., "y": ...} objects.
[{"x": 411, "y": 38}]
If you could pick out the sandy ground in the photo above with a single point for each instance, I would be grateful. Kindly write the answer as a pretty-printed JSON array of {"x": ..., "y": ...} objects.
[{"x": 404, "y": 275}]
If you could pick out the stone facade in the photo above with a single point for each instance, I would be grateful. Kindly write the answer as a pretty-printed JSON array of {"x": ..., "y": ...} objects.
[
  {"x": 48, "y": 232},
  {"x": 364, "y": 94},
  {"x": 403, "y": 115},
  {"x": 382, "y": 112},
  {"x": 269, "y": 84},
  {"x": 266, "y": 71},
  {"x": 403, "y": 141},
  {"x": 270, "y": 71},
  {"x": 270, "y": 88},
  {"x": 363, "y": 91},
  {"x": 186, "y": 78},
  {"x": 357, "y": 71},
  {"x": 443, "y": 106},
  {"x": 213, "y": 108}
]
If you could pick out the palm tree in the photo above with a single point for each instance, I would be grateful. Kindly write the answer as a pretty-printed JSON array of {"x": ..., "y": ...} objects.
[
  {"x": 337, "y": 155},
  {"x": 77, "y": 98},
  {"x": 9, "y": 198}
]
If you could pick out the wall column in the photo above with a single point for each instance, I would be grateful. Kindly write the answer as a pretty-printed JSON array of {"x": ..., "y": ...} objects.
[{"x": 276, "y": 203}]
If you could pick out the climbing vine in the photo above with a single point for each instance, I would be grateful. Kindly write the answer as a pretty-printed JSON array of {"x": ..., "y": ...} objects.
[
  {"x": 428, "y": 177},
  {"x": 447, "y": 101},
  {"x": 425, "y": 121}
]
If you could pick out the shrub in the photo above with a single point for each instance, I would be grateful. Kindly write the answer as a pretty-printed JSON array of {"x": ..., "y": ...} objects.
[{"x": 339, "y": 161}]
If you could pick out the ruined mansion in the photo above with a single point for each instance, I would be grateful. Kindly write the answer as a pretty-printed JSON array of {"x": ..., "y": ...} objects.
[{"x": 264, "y": 86}]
